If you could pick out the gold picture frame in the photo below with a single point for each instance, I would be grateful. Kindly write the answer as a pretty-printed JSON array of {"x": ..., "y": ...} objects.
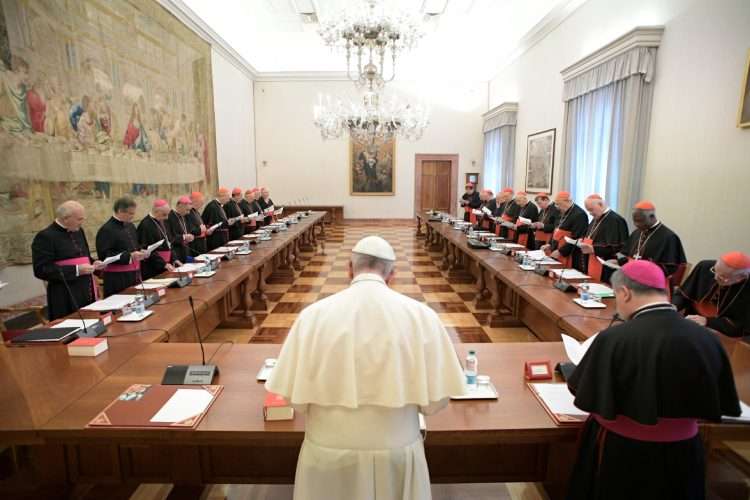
[
  {"x": 378, "y": 179},
  {"x": 743, "y": 113}
]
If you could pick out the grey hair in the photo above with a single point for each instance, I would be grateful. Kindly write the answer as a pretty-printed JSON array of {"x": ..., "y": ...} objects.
[
  {"x": 619, "y": 280},
  {"x": 66, "y": 209},
  {"x": 362, "y": 263}
]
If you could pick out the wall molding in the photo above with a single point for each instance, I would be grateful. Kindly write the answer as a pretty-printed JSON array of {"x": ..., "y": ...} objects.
[
  {"x": 302, "y": 76},
  {"x": 189, "y": 18},
  {"x": 540, "y": 30},
  {"x": 502, "y": 108},
  {"x": 640, "y": 36}
]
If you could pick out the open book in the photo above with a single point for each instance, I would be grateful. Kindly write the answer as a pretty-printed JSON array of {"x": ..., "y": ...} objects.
[{"x": 576, "y": 350}]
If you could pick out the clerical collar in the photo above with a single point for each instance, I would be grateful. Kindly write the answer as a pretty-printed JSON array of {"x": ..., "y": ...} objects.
[
  {"x": 115, "y": 217},
  {"x": 368, "y": 277},
  {"x": 59, "y": 224},
  {"x": 654, "y": 306},
  {"x": 656, "y": 225}
]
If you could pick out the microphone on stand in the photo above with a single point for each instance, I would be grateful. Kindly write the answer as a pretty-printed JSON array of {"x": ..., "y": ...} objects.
[
  {"x": 202, "y": 374},
  {"x": 96, "y": 329}
]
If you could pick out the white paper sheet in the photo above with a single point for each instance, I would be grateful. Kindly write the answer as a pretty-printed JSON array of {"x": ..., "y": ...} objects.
[
  {"x": 571, "y": 274},
  {"x": 151, "y": 286},
  {"x": 3, "y": 284},
  {"x": 279, "y": 212},
  {"x": 589, "y": 304},
  {"x": 523, "y": 221},
  {"x": 600, "y": 290},
  {"x": 476, "y": 212},
  {"x": 535, "y": 254},
  {"x": 743, "y": 418},
  {"x": 111, "y": 303},
  {"x": 507, "y": 224},
  {"x": 110, "y": 260},
  {"x": 574, "y": 349},
  {"x": 205, "y": 257},
  {"x": 571, "y": 241},
  {"x": 189, "y": 268},
  {"x": 221, "y": 250},
  {"x": 153, "y": 247},
  {"x": 76, "y": 323},
  {"x": 161, "y": 281},
  {"x": 558, "y": 399},
  {"x": 487, "y": 211},
  {"x": 215, "y": 226},
  {"x": 184, "y": 404},
  {"x": 612, "y": 263}
]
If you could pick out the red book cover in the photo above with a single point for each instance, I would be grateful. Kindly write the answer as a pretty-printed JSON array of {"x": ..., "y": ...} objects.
[
  {"x": 275, "y": 407},
  {"x": 87, "y": 342}
]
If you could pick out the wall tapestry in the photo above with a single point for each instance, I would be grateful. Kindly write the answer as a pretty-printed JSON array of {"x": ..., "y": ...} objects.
[{"x": 98, "y": 99}]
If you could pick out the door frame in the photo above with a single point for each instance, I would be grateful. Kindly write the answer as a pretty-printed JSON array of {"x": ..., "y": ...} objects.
[{"x": 418, "y": 159}]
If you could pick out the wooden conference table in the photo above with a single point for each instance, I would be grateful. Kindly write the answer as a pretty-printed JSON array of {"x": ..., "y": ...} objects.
[
  {"x": 515, "y": 296},
  {"x": 230, "y": 297}
]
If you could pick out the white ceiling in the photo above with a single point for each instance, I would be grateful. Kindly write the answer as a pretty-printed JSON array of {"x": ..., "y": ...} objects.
[{"x": 471, "y": 39}]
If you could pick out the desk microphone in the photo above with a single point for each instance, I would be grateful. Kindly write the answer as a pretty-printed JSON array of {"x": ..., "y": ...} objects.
[
  {"x": 74, "y": 301},
  {"x": 202, "y": 374},
  {"x": 561, "y": 285}
]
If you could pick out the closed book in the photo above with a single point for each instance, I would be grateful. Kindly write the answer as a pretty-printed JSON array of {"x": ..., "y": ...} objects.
[
  {"x": 87, "y": 347},
  {"x": 276, "y": 408}
]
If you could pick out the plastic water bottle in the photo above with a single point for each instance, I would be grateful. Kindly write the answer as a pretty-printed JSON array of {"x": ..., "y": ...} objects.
[
  {"x": 472, "y": 365},
  {"x": 140, "y": 305},
  {"x": 584, "y": 290}
]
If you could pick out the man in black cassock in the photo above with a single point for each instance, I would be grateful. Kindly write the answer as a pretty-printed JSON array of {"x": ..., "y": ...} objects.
[
  {"x": 199, "y": 245},
  {"x": 249, "y": 206},
  {"x": 549, "y": 219},
  {"x": 214, "y": 214},
  {"x": 233, "y": 211},
  {"x": 654, "y": 241},
  {"x": 717, "y": 294},
  {"x": 179, "y": 225},
  {"x": 524, "y": 233},
  {"x": 470, "y": 200},
  {"x": 118, "y": 237},
  {"x": 154, "y": 228},
  {"x": 605, "y": 236},
  {"x": 60, "y": 255},
  {"x": 266, "y": 203},
  {"x": 573, "y": 224},
  {"x": 488, "y": 202},
  {"x": 504, "y": 208},
  {"x": 646, "y": 382}
]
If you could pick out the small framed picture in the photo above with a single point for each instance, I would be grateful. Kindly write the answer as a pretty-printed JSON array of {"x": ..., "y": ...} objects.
[
  {"x": 540, "y": 161},
  {"x": 743, "y": 114},
  {"x": 473, "y": 178}
]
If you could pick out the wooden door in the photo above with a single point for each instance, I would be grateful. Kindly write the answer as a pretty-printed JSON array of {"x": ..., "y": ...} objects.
[{"x": 436, "y": 185}]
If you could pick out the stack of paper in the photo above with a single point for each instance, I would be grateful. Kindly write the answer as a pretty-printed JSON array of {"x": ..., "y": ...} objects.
[
  {"x": 222, "y": 250},
  {"x": 184, "y": 404},
  {"x": 111, "y": 303},
  {"x": 558, "y": 399},
  {"x": 161, "y": 281},
  {"x": 189, "y": 268},
  {"x": 570, "y": 274},
  {"x": 76, "y": 323},
  {"x": 600, "y": 290}
]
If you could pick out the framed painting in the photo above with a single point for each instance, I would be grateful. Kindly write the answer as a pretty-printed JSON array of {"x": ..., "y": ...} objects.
[
  {"x": 472, "y": 177},
  {"x": 540, "y": 161},
  {"x": 743, "y": 114},
  {"x": 372, "y": 167}
]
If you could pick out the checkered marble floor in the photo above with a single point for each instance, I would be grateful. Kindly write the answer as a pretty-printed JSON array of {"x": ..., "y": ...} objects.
[{"x": 417, "y": 276}]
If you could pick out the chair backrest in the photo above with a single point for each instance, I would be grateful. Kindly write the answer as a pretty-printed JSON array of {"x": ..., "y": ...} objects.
[{"x": 677, "y": 277}]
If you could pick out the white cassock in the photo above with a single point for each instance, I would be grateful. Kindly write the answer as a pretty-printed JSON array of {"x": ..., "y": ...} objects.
[{"x": 362, "y": 363}]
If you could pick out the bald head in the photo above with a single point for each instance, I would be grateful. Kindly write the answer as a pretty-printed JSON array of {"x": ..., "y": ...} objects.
[
  {"x": 727, "y": 275},
  {"x": 595, "y": 205},
  {"x": 70, "y": 215}
]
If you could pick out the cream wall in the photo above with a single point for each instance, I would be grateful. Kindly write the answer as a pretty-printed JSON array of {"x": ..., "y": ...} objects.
[
  {"x": 235, "y": 132},
  {"x": 698, "y": 163},
  {"x": 295, "y": 163}
]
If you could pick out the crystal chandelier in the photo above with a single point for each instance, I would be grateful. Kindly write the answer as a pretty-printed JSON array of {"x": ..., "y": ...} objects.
[
  {"x": 368, "y": 35},
  {"x": 369, "y": 121}
]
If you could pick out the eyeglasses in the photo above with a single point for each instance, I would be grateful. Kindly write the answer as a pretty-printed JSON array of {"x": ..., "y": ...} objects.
[{"x": 724, "y": 279}]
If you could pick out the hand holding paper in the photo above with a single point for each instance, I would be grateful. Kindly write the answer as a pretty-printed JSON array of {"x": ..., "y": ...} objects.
[
  {"x": 571, "y": 241},
  {"x": 612, "y": 263},
  {"x": 487, "y": 211},
  {"x": 523, "y": 221},
  {"x": 153, "y": 247},
  {"x": 214, "y": 227},
  {"x": 110, "y": 260}
]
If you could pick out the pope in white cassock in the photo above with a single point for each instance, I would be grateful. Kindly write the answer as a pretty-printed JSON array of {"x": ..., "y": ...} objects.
[{"x": 362, "y": 364}]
